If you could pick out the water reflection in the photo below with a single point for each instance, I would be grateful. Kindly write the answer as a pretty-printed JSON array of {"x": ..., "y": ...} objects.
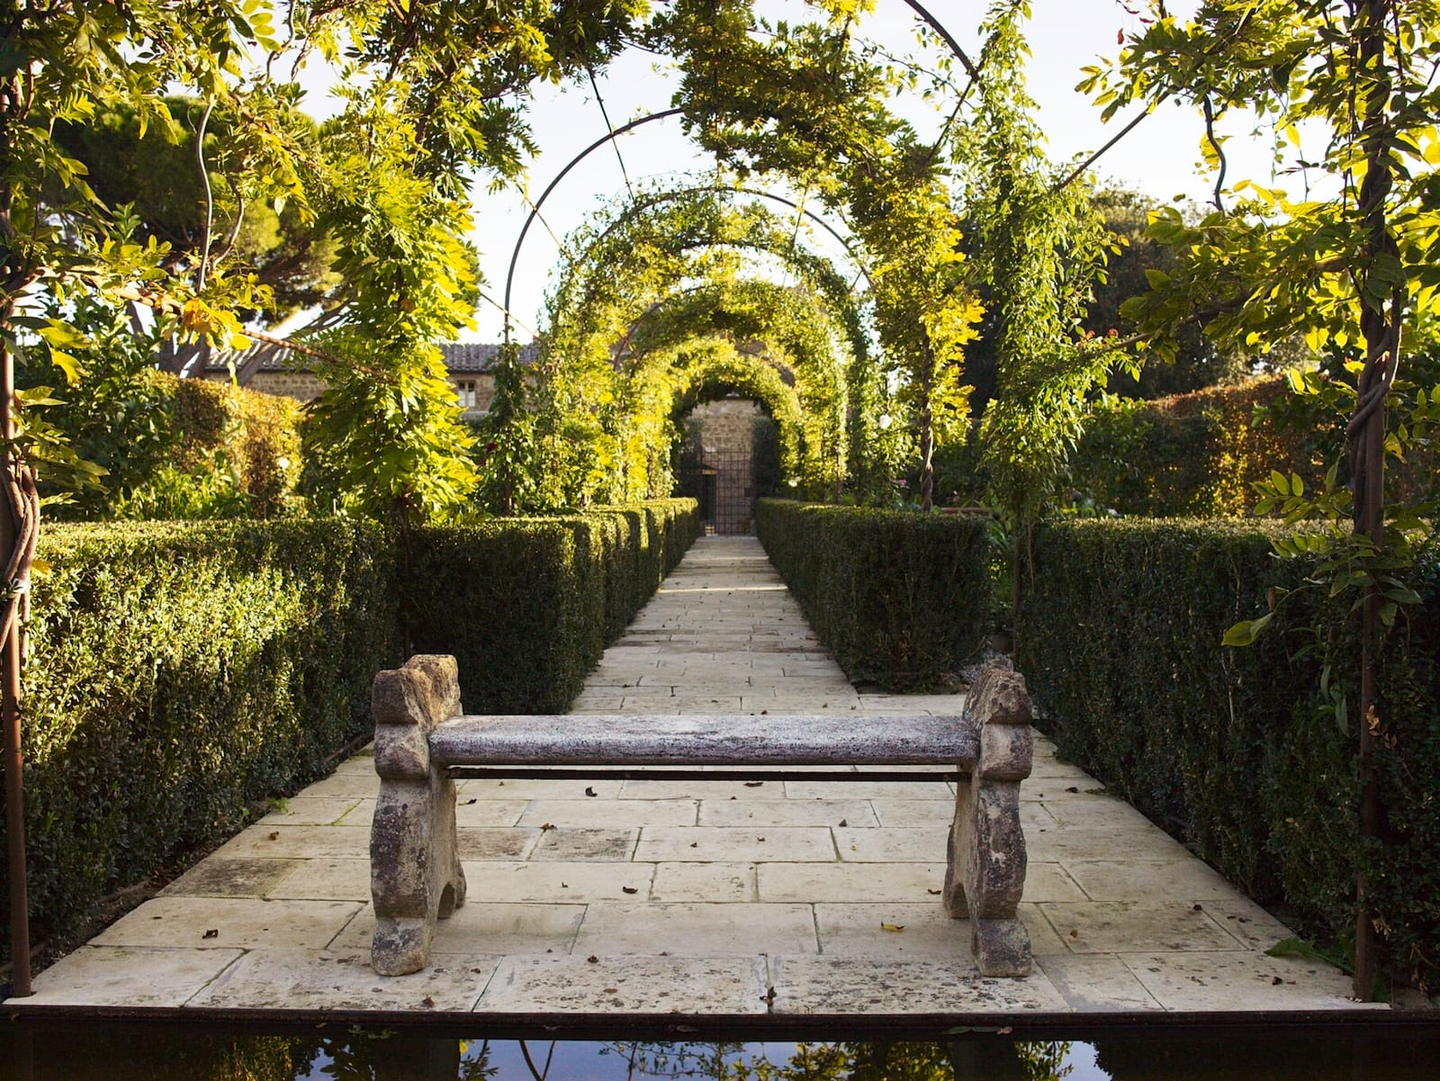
[{"x": 146, "y": 1053}]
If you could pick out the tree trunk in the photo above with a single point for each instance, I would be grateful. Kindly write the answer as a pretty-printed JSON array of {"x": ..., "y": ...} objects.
[
  {"x": 10, "y": 656},
  {"x": 927, "y": 434},
  {"x": 1381, "y": 332}
]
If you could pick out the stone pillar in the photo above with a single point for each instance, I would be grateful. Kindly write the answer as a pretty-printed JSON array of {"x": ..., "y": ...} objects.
[
  {"x": 415, "y": 875},
  {"x": 985, "y": 871}
]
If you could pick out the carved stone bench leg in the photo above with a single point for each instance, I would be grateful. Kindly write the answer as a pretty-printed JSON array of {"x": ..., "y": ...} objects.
[
  {"x": 985, "y": 865},
  {"x": 415, "y": 875}
]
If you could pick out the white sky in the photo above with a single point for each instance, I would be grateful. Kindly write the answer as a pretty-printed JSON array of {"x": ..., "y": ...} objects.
[{"x": 1159, "y": 158}]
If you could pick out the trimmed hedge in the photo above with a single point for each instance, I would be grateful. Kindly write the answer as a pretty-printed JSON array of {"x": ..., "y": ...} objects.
[
  {"x": 181, "y": 672},
  {"x": 1230, "y": 749},
  {"x": 900, "y": 598}
]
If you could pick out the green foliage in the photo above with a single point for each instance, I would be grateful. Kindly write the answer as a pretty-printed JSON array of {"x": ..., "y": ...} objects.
[
  {"x": 648, "y": 309},
  {"x": 900, "y": 598},
  {"x": 1037, "y": 246},
  {"x": 1195, "y": 455},
  {"x": 166, "y": 447},
  {"x": 1197, "y": 362},
  {"x": 179, "y": 672},
  {"x": 798, "y": 101},
  {"x": 1237, "y": 751},
  {"x": 153, "y": 171}
]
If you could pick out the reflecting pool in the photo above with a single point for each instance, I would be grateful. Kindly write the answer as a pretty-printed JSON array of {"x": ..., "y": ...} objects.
[{"x": 143, "y": 1052}]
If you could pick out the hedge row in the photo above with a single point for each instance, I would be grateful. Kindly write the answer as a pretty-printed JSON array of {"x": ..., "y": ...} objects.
[
  {"x": 528, "y": 605},
  {"x": 901, "y": 598},
  {"x": 1233, "y": 749},
  {"x": 180, "y": 673}
]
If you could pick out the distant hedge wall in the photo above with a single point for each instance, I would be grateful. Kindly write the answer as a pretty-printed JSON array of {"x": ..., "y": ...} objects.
[
  {"x": 1229, "y": 748},
  {"x": 258, "y": 433},
  {"x": 1192, "y": 454},
  {"x": 181, "y": 672},
  {"x": 901, "y": 598}
]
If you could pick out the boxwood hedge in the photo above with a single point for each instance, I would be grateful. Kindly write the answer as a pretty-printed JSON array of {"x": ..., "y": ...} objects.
[
  {"x": 900, "y": 598},
  {"x": 180, "y": 673},
  {"x": 1234, "y": 750}
]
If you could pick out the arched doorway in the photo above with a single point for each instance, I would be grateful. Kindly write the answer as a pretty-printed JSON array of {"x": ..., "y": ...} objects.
[{"x": 729, "y": 457}]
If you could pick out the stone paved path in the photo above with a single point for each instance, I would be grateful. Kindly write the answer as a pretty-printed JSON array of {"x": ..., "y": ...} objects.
[{"x": 713, "y": 899}]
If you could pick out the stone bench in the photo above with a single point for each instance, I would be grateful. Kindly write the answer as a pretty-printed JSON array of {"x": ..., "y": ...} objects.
[{"x": 422, "y": 745}]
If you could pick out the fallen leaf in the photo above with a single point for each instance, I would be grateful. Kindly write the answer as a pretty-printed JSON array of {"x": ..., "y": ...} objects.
[
  {"x": 694, "y": 844},
  {"x": 763, "y": 712},
  {"x": 214, "y": 932},
  {"x": 761, "y": 839},
  {"x": 1074, "y": 934},
  {"x": 564, "y": 885},
  {"x": 1196, "y": 907},
  {"x": 1072, "y": 788},
  {"x": 609, "y": 990},
  {"x": 591, "y": 792},
  {"x": 892, "y": 927},
  {"x": 844, "y": 822},
  {"x": 546, "y": 826},
  {"x": 274, "y": 835},
  {"x": 934, "y": 892},
  {"x": 753, "y": 784},
  {"x": 427, "y": 1001},
  {"x": 1276, "y": 981},
  {"x": 629, "y": 889},
  {"x": 769, "y": 996},
  {"x": 468, "y": 802},
  {"x": 592, "y": 959}
]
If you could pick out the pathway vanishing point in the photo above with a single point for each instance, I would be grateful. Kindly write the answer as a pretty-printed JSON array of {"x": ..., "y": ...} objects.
[{"x": 712, "y": 902}]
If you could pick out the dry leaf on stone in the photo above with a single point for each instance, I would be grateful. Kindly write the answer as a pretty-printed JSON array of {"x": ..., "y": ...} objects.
[
  {"x": 892, "y": 927},
  {"x": 214, "y": 932},
  {"x": 753, "y": 784},
  {"x": 629, "y": 889},
  {"x": 591, "y": 792},
  {"x": 592, "y": 959}
]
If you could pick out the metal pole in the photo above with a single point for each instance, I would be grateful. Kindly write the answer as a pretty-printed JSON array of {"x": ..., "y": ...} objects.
[{"x": 10, "y": 716}]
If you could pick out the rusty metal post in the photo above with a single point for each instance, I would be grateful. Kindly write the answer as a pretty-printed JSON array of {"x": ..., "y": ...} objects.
[{"x": 10, "y": 716}]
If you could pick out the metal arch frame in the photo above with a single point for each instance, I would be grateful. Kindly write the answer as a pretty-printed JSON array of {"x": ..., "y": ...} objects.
[
  {"x": 919, "y": 9},
  {"x": 654, "y": 198},
  {"x": 609, "y": 137}
]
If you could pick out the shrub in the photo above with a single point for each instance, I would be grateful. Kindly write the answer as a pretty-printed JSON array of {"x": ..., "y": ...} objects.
[
  {"x": 519, "y": 602},
  {"x": 527, "y": 605},
  {"x": 900, "y": 598},
  {"x": 179, "y": 672},
  {"x": 1191, "y": 454},
  {"x": 256, "y": 435},
  {"x": 1234, "y": 750}
]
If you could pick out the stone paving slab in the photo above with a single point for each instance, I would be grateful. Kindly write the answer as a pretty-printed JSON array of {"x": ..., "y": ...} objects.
[{"x": 787, "y": 897}]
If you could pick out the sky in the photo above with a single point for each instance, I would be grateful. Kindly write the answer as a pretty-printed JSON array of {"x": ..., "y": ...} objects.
[{"x": 1159, "y": 157}]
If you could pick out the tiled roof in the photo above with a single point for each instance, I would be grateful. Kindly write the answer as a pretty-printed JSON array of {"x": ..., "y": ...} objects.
[{"x": 264, "y": 357}]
